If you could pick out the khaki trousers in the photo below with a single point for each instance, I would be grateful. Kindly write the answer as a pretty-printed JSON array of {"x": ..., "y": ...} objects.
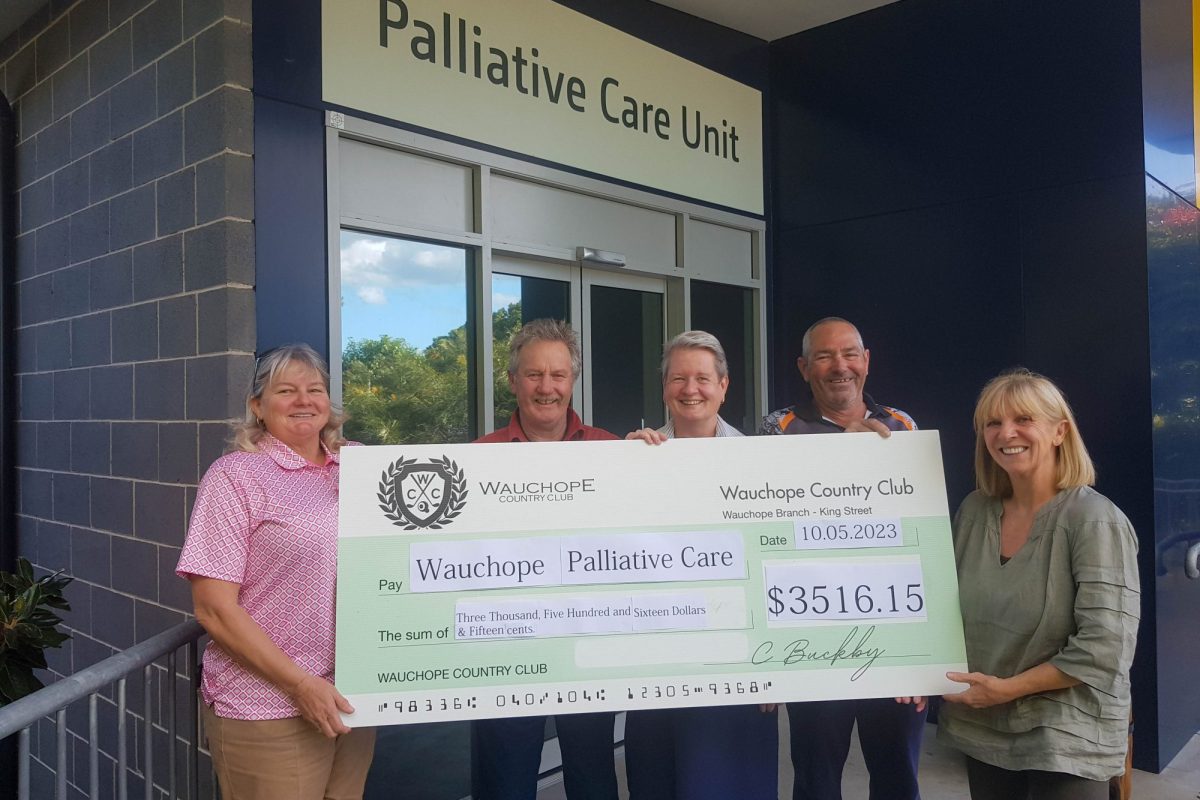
[{"x": 286, "y": 759}]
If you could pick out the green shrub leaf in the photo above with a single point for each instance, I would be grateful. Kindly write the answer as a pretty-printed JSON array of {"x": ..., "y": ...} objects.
[{"x": 28, "y": 627}]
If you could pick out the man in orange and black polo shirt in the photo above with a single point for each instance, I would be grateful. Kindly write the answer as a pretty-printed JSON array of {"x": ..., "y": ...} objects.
[{"x": 834, "y": 363}]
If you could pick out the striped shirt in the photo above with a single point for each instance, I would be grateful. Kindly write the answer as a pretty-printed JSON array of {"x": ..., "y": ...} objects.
[
  {"x": 723, "y": 429},
  {"x": 805, "y": 418}
]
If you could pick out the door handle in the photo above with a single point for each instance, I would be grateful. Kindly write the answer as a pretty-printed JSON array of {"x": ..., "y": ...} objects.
[{"x": 1190, "y": 566}]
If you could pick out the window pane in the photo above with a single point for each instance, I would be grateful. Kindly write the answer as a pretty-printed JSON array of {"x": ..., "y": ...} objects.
[
  {"x": 407, "y": 344},
  {"x": 627, "y": 334},
  {"x": 727, "y": 312},
  {"x": 517, "y": 299}
]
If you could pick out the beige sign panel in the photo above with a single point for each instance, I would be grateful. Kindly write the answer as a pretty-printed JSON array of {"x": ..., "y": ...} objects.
[{"x": 537, "y": 78}]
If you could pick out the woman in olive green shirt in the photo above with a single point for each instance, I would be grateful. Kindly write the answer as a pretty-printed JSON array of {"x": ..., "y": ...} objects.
[{"x": 1049, "y": 590}]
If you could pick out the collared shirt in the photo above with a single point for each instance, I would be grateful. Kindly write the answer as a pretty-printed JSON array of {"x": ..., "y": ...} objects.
[
  {"x": 268, "y": 521},
  {"x": 723, "y": 429},
  {"x": 576, "y": 431},
  {"x": 805, "y": 418}
]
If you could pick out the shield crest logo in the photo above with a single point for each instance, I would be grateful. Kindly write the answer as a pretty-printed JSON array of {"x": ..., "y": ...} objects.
[
  {"x": 424, "y": 492},
  {"x": 427, "y": 494}
]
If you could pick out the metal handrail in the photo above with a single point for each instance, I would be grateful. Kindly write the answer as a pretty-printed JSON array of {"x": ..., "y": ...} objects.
[
  {"x": 28, "y": 710},
  {"x": 20, "y": 716}
]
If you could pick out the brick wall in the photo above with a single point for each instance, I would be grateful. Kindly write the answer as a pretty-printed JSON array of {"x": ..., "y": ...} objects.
[{"x": 135, "y": 306}]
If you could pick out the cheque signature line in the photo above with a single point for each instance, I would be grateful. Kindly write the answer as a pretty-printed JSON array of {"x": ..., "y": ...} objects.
[{"x": 800, "y": 651}]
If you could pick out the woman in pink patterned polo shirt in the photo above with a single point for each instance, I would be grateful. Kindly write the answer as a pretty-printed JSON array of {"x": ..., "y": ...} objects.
[{"x": 261, "y": 557}]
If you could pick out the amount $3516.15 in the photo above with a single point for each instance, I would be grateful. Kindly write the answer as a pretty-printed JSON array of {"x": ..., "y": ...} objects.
[{"x": 815, "y": 590}]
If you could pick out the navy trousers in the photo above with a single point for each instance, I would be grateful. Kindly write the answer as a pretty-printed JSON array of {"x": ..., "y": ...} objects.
[
  {"x": 506, "y": 754},
  {"x": 890, "y": 735},
  {"x": 714, "y": 753}
]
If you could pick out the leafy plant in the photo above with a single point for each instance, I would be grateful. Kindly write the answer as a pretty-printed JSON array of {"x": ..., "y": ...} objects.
[{"x": 27, "y": 627}]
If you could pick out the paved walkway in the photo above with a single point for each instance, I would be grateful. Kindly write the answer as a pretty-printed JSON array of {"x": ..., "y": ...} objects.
[{"x": 943, "y": 776}]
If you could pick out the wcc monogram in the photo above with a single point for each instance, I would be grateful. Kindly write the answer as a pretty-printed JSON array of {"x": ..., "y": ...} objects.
[{"x": 422, "y": 494}]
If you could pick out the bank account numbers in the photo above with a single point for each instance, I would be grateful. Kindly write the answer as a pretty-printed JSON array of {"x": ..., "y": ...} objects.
[{"x": 523, "y": 703}]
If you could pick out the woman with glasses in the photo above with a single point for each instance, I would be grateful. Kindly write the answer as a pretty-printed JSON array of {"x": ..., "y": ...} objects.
[{"x": 261, "y": 558}]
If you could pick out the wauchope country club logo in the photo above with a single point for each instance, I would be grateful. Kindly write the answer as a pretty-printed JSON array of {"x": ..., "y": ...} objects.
[{"x": 425, "y": 494}]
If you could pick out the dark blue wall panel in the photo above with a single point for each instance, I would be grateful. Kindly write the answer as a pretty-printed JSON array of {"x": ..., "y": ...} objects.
[
  {"x": 928, "y": 101},
  {"x": 291, "y": 273},
  {"x": 287, "y": 50}
]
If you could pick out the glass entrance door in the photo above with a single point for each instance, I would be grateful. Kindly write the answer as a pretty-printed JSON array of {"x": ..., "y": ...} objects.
[{"x": 624, "y": 324}]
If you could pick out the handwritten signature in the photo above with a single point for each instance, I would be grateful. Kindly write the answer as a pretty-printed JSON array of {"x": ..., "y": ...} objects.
[{"x": 801, "y": 650}]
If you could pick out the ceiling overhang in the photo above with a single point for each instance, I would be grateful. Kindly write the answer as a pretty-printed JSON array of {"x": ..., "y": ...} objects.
[{"x": 773, "y": 19}]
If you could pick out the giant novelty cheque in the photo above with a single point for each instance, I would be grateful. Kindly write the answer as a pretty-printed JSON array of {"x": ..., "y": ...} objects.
[{"x": 504, "y": 580}]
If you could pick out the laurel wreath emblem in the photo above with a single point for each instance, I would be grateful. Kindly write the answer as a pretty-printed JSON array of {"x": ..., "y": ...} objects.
[{"x": 394, "y": 510}]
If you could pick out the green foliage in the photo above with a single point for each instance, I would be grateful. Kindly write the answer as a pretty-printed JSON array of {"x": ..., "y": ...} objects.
[
  {"x": 397, "y": 394},
  {"x": 27, "y": 627}
]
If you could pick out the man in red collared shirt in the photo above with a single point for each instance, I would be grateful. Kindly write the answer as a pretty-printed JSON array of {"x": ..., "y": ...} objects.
[
  {"x": 506, "y": 753},
  {"x": 542, "y": 366}
]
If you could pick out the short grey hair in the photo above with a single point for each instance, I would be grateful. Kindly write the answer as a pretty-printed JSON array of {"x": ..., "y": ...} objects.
[
  {"x": 696, "y": 340},
  {"x": 806, "y": 343},
  {"x": 545, "y": 330}
]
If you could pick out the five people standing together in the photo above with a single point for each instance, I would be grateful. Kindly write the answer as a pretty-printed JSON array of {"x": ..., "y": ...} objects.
[{"x": 1048, "y": 588}]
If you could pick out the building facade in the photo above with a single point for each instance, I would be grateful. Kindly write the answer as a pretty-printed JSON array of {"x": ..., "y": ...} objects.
[{"x": 978, "y": 185}]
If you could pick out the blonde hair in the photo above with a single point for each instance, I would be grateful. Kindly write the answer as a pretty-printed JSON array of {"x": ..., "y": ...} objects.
[
  {"x": 250, "y": 431},
  {"x": 1020, "y": 391}
]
